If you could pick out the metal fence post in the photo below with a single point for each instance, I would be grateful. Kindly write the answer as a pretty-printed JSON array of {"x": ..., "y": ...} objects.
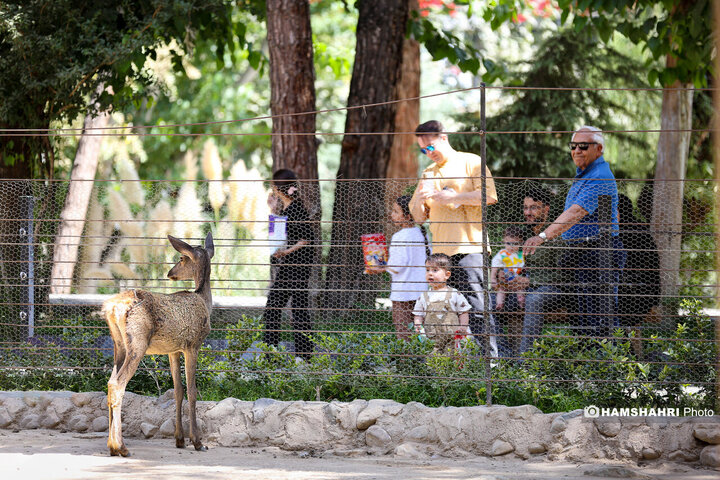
[
  {"x": 27, "y": 275},
  {"x": 486, "y": 257}
]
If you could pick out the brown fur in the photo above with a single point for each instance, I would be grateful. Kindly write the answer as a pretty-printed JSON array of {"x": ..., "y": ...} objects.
[{"x": 145, "y": 323}]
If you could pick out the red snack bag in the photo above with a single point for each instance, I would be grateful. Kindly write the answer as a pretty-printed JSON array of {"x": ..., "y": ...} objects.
[{"x": 375, "y": 251}]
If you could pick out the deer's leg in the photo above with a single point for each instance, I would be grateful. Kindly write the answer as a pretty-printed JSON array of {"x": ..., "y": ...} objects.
[
  {"x": 116, "y": 390},
  {"x": 118, "y": 360},
  {"x": 178, "y": 390},
  {"x": 190, "y": 367}
]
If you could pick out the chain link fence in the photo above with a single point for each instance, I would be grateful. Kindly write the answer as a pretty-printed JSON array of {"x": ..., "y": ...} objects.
[{"x": 622, "y": 316}]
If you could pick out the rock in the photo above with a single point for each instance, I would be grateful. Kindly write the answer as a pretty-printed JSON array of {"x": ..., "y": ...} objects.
[
  {"x": 50, "y": 419},
  {"x": 710, "y": 456},
  {"x": 259, "y": 406},
  {"x": 62, "y": 405},
  {"x": 30, "y": 422},
  {"x": 682, "y": 456},
  {"x": 224, "y": 409},
  {"x": 348, "y": 413},
  {"x": 377, "y": 437},
  {"x": 167, "y": 429},
  {"x": 537, "y": 448},
  {"x": 500, "y": 447},
  {"x": 78, "y": 423},
  {"x": 613, "y": 471},
  {"x": 100, "y": 424},
  {"x": 35, "y": 399},
  {"x": 558, "y": 425},
  {"x": 649, "y": 453},
  {"x": 709, "y": 433},
  {"x": 624, "y": 453},
  {"x": 523, "y": 412},
  {"x": 5, "y": 418},
  {"x": 148, "y": 429},
  {"x": 574, "y": 414},
  {"x": 304, "y": 426},
  {"x": 408, "y": 450},
  {"x": 370, "y": 414},
  {"x": 14, "y": 406},
  {"x": 420, "y": 434},
  {"x": 82, "y": 399},
  {"x": 555, "y": 449},
  {"x": 168, "y": 395},
  {"x": 608, "y": 428}
]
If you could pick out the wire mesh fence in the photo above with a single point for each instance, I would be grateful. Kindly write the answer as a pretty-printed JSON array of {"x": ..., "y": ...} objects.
[{"x": 617, "y": 311}]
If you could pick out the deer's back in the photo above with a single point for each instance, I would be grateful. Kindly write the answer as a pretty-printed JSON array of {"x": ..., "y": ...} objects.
[{"x": 170, "y": 323}]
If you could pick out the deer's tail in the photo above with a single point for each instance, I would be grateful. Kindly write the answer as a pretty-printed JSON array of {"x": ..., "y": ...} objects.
[{"x": 116, "y": 308}]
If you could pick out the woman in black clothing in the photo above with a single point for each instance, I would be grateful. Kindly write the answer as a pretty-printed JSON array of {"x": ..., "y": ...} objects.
[{"x": 293, "y": 271}]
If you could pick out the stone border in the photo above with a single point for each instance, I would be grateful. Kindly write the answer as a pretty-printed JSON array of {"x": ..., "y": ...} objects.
[{"x": 380, "y": 427}]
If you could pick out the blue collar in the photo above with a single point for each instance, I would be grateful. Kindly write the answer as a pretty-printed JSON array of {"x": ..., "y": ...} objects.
[{"x": 596, "y": 163}]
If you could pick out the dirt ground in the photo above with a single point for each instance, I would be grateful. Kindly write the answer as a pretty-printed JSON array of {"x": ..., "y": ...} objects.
[{"x": 49, "y": 455}]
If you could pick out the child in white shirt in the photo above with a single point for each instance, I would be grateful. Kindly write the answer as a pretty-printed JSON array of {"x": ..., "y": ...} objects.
[
  {"x": 406, "y": 265},
  {"x": 441, "y": 312}
]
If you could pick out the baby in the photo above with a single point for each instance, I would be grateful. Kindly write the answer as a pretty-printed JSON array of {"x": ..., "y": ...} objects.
[
  {"x": 507, "y": 266},
  {"x": 441, "y": 312}
]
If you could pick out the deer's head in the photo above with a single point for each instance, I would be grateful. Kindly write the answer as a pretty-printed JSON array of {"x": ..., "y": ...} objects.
[{"x": 195, "y": 261}]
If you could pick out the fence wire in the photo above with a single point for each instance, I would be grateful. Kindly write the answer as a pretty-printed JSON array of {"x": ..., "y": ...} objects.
[{"x": 624, "y": 311}]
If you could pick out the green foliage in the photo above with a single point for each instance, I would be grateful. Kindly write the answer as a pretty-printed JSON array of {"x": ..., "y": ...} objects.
[
  {"x": 564, "y": 60},
  {"x": 50, "y": 73},
  {"x": 559, "y": 373},
  {"x": 674, "y": 29},
  {"x": 444, "y": 44}
]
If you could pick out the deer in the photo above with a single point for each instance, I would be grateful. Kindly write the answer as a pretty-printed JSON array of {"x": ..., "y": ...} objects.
[{"x": 145, "y": 323}]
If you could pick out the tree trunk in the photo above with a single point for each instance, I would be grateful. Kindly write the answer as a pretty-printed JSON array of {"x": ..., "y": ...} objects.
[
  {"x": 359, "y": 206},
  {"x": 403, "y": 164},
  {"x": 672, "y": 155},
  {"x": 68, "y": 239},
  {"x": 292, "y": 90},
  {"x": 292, "y": 87}
]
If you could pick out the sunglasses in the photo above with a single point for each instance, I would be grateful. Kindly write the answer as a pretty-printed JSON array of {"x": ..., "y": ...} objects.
[
  {"x": 512, "y": 244},
  {"x": 428, "y": 149},
  {"x": 581, "y": 145}
]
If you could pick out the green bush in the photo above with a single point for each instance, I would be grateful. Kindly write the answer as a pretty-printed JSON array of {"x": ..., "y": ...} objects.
[{"x": 559, "y": 373}]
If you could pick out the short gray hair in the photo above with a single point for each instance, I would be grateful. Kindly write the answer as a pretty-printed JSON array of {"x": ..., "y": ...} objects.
[{"x": 597, "y": 134}]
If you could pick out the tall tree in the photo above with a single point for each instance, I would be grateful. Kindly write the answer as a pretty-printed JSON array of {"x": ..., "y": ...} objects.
[
  {"x": 54, "y": 55},
  {"x": 72, "y": 217},
  {"x": 403, "y": 163},
  {"x": 292, "y": 87},
  {"x": 359, "y": 205},
  {"x": 292, "y": 99}
]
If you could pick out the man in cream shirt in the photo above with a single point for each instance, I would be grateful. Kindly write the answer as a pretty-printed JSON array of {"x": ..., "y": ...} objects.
[{"x": 449, "y": 196}]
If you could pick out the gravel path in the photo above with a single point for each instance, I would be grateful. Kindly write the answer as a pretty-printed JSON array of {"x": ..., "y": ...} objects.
[{"x": 49, "y": 455}]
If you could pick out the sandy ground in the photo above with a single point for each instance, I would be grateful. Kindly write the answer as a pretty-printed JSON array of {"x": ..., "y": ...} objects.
[{"x": 46, "y": 454}]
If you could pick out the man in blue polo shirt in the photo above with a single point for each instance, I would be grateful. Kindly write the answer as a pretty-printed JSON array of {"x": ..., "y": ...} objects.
[{"x": 596, "y": 273}]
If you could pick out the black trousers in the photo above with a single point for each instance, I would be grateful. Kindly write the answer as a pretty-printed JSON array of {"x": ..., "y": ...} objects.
[{"x": 291, "y": 284}]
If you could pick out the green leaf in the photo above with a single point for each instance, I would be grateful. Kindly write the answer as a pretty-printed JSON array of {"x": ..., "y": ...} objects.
[
  {"x": 139, "y": 60},
  {"x": 604, "y": 30},
  {"x": 254, "y": 58},
  {"x": 653, "y": 76}
]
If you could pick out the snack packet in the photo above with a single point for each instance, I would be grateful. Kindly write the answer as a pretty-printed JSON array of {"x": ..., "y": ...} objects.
[{"x": 375, "y": 251}]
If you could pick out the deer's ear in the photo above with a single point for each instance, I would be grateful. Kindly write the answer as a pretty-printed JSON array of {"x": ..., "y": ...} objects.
[
  {"x": 181, "y": 246},
  {"x": 209, "y": 245}
]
